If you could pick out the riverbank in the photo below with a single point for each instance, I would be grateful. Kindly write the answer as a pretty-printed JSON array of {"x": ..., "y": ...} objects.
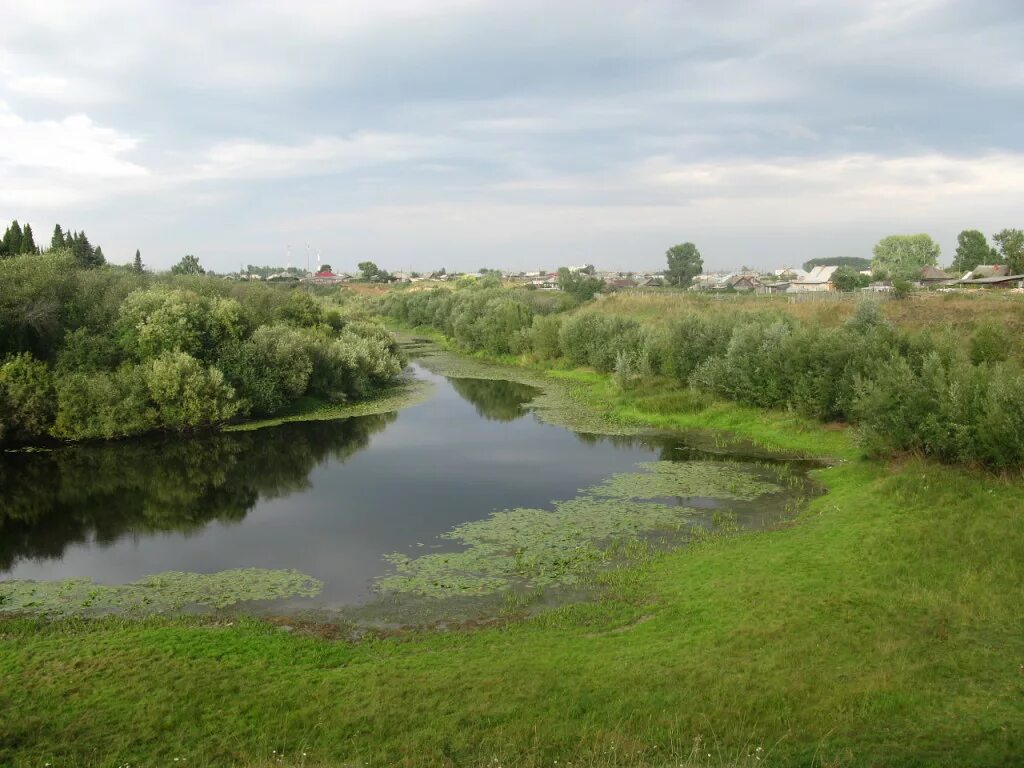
[{"x": 881, "y": 628}]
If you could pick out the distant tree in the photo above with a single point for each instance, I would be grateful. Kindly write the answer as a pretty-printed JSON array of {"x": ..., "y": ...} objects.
[
  {"x": 905, "y": 255},
  {"x": 579, "y": 285},
  {"x": 325, "y": 268},
  {"x": 189, "y": 265},
  {"x": 137, "y": 264},
  {"x": 684, "y": 264},
  {"x": 85, "y": 254},
  {"x": 11, "y": 243},
  {"x": 857, "y": 263},
  {"x": 972, "y": 249},
  {"x": 369, "y": 269},
  {"x": 28, "y": 243},
  {"x": 98, "y": 255},
  {"x": 57, "y": 240},
  {"x": 848, "y": 279},
  {"x": 589, "y": 269},
  {"x": 1011, "y": 249}
]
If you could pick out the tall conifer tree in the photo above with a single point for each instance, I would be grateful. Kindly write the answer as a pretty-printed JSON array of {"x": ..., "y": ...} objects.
[
  {"x": 28, "y": 242},
  {"x": 57, "y": 241},
  {"x": 12, "y": 239}
]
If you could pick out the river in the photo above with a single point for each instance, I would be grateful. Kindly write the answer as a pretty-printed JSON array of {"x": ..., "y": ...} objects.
[{"x": 327, "y": 498}]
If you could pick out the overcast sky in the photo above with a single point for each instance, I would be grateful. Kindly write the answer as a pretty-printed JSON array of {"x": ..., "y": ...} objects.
[{"x": 428, "y": 133}]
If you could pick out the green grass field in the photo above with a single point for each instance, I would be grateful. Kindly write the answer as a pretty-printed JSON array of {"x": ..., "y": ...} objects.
[{"x": 884, "y": 627}]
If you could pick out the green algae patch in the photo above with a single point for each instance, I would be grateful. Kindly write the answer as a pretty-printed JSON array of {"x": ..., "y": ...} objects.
[
  {"x": 662, "y": 479},
  {"x": 530, "y": 548},
  {"x": 526, "y": 549},
  {"x": 160, "y": 593}
]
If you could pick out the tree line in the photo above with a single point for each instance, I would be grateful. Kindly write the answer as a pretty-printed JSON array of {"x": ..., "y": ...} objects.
[
  {"x": 20, "y": 241},
  {"x": 896, "y": 257}
]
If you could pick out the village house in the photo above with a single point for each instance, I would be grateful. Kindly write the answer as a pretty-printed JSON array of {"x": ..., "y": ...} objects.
[
  {"x": 327, "y": 277},
  {"x": 933, "y": 276},
  {"x": 818, "y": 279},
  {"x": 991, "y": 276},
  {"x": 743, "y": 283},
  {"x": 618, "y": 283},
  {"x": 780, "y": 286},
  {"x": 706, "y": 282}
]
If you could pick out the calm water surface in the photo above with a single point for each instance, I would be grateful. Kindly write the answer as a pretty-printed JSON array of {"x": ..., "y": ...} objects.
[{"x": 326, "y": 498}]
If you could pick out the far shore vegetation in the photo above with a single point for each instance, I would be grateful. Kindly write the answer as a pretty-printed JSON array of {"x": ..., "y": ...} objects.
[{"x": 102, "y": 352}]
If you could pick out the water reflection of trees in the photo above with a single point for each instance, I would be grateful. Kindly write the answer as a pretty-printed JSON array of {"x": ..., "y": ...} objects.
[
  {"x": 495, "y": 399},
  {"x": 668, "y": 448},
  {"x": 106, "y": 490}
]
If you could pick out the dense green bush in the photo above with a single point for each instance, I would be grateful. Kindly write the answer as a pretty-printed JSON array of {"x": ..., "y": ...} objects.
[
  {"x": 599, "y": 341},
  {"x": 353, "y": 364},
  {"x": 185, "y": 393},
  {"x": 270, "y": 369},
  {"x": 159, "y": 320},
  {"x": 103, "y": 404},
  {"x": 26, "y": 398},
  {"x": 543, "y": 337},
  {"x": 482, "y": 316},
  {"x": 108, "y": 352}
]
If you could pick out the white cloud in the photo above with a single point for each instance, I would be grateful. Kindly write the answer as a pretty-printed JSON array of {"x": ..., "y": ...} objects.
[
  {"x": 54, "y": 163},
  {"x": 73, "y": 146}
]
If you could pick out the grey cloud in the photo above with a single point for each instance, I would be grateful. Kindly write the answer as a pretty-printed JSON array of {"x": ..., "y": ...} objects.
[{"x": 319, "y": 122}]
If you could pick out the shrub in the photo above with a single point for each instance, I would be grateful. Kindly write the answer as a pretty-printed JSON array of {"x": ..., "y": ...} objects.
[
  {"x": 270, "y": 369},
  {"x": 160, "y": 320},
  {"x": 300, "y": 309},
  {"x": 186, "y": 393},
  {"x": 1000, "y": 432},
  {"x": 596, "y": 340},
  {"x": 103, "y": 404},
  {"x": 543, "y": 336},
  {"x": 990, "y": 343},
  {"x": 754, "y": 369},
  {"x": 26, "y": 391},
  {"x": 354, "y": 364},
  {"x": 690, "y": 341}
]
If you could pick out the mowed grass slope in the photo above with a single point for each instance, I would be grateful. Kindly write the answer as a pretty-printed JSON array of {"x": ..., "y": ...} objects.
[{"x": 883, "y": 627}]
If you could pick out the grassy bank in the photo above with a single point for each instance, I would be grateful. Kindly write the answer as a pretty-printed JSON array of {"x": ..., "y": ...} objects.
[{"x": 883, "y": 627}]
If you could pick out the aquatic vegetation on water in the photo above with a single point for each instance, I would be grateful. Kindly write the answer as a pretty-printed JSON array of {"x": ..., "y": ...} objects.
[
  {"x": 169, "y": 591},
  {"x": 687, "y": 479},
  {"x": 533, "y": 548}
]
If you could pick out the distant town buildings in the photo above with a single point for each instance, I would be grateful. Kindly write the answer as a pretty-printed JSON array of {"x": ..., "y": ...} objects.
[{"x": 781, "y": 280}]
